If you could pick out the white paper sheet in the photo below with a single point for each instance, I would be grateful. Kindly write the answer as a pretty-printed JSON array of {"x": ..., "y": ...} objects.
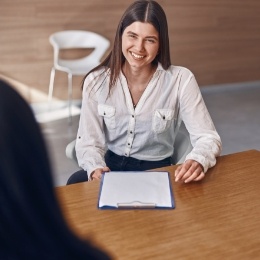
[{"x": 136, "y": 189}]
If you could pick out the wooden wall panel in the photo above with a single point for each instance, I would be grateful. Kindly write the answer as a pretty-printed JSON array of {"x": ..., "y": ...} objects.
[{"x": 219, "y": 40}]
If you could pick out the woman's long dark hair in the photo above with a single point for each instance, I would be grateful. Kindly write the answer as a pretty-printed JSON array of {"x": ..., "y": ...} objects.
[
  {"x": 31, "y": 222},
  {"x": 141, "y": 11}
]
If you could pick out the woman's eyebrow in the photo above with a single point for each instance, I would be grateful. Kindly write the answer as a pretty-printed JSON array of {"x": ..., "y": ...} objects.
[
  {"x": 149, "y": 36},
  {"x": 130, "y": 32}
]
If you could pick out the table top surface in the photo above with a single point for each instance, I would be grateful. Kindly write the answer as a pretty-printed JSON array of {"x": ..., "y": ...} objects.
[{"x": 216, "y": 218}]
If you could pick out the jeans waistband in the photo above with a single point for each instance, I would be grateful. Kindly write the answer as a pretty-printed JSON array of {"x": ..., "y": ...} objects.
[{"x": 131, "y": 159}]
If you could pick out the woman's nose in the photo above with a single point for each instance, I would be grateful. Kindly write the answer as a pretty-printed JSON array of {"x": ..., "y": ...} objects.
[{"x": 139, "y": 45}]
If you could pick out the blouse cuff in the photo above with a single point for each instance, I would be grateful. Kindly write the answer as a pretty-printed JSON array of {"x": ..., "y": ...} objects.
[{"x": 200, "y": 159}]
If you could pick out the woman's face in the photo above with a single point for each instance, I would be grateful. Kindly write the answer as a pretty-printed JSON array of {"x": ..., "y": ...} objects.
[{"x": 140, "y": 44}]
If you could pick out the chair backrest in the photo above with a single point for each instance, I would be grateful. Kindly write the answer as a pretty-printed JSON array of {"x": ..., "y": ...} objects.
[
  {"x": 70, "y": 151},
  {"x": 182, "y": 145},
  {"x": 71, "y": 39}
]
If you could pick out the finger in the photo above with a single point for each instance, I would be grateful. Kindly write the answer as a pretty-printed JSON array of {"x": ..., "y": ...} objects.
[
  {"x": 188, "y": 168},
  {"x": 105, "y": 169},
  {"x": 184, "y": 169},
  {"x": 96, "y": 176},
  {"x": 102, "y": 171},
  {"x": 192, "y": 175},
  {"x": 177, "y": 170},
  {"x": 178, "y": 173},
  {"x": 200, "y": 177},
  {"x": 194, "y": 168}
]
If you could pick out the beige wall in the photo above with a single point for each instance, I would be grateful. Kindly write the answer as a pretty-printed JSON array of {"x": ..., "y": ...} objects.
[{"x": 219, "y": 40}]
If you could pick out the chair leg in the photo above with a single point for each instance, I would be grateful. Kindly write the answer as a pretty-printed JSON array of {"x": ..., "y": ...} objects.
[
  {"x": 70, "y": 96},
  {"x": 51, "y": 85}
]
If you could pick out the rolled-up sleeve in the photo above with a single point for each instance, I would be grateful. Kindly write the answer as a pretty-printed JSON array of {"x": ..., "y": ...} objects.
[
  {"x": 90, "y": 142},
  {"x": 204, "y": 138}
]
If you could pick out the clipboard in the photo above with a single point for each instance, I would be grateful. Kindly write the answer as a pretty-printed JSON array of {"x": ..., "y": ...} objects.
[{"x": 135, "y": 190}]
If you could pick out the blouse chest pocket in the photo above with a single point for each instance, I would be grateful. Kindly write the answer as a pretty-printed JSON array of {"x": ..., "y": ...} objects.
[
  {"x": 108, "y": 113},
  {"x": 162, "y": 120}
]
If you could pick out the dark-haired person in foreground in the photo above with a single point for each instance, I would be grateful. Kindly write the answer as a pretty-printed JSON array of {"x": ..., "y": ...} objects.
[{"x": 31, "y": 222}]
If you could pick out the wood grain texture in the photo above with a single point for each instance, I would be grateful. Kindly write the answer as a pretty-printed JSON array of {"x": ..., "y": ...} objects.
[
  {"x": 218, "y": 40},
  {"x": 217, "y": 218}
]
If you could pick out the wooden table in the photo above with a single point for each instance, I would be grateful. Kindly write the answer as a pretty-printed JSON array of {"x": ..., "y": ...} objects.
[{"x": 217, "y": 218}]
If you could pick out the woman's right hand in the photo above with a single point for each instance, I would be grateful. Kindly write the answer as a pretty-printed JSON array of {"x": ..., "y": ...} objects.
[{"x": 97, "y": 174}]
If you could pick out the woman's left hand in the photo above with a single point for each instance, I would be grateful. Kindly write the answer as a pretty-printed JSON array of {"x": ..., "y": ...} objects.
[{"x": 189, "y": 171}]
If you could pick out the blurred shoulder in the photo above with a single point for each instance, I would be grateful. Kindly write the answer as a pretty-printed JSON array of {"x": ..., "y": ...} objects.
[
  {"x": 180, "y": 71},
  {"x": 96, "y": 77},
  {"x": 98, "y": 73}
]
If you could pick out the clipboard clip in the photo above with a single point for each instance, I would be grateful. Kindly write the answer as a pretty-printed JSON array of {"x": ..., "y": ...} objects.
[{"x": 136, "y": 204}]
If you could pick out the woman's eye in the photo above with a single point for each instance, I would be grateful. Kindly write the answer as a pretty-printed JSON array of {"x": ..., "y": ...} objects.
[{"x": 150, "y": 40}]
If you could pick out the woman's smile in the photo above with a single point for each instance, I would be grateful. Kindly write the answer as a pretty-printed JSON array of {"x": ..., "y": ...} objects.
[{"x": 136, "y": 56}]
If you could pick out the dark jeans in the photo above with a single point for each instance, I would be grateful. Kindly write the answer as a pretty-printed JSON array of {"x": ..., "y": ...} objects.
[{"x": 121, "y": 163}]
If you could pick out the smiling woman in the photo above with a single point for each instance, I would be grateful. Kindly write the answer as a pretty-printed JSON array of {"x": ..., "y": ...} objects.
[{"x": 134, "y": 100}]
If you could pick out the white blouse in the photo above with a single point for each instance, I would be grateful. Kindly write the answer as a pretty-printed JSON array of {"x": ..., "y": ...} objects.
[{"x": 146, "y": 132}]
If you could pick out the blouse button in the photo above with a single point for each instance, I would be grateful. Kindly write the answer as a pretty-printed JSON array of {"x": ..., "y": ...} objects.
[{"x": 163, "y": 117}]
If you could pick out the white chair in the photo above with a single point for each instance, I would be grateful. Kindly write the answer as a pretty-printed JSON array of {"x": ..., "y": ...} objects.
[
  {"x": 182, "y": 146},
  {"x": 73, "y": 39}
]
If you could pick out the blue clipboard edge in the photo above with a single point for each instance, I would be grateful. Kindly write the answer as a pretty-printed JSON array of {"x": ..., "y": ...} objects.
[{"x": 131, "y": 208}]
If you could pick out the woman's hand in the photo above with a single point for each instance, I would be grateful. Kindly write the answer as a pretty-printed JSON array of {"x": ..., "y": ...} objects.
[
  {"x": 97, "y": 174},
  {"x": 189, "y": 171}
]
